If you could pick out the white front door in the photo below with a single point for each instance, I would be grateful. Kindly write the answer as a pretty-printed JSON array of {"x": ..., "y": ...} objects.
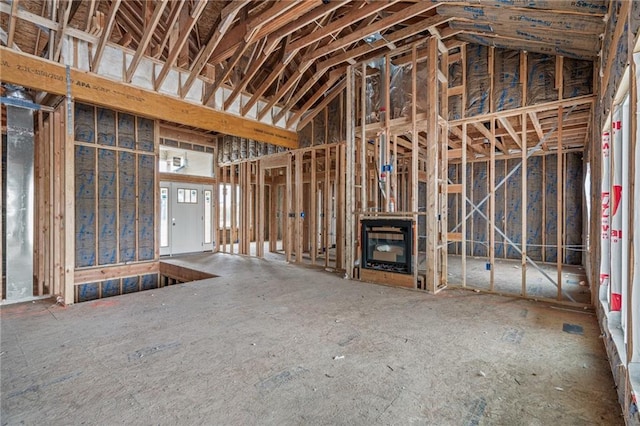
[{"x": 186, "y": 218}]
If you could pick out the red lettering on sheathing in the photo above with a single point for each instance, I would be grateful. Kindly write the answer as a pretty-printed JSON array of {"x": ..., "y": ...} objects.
[
  {"x": 616, "y": 302},
  {"x": 617, "y": 197}
]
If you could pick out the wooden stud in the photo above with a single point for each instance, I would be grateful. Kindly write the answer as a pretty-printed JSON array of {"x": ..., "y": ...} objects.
[
  {"x": 560, "y": 195},
  {"x": 298, "y": 222},
  {"x": 464, "y": 204},
  {"x": 348, "y": 189},
  {"x": 288, "y": 210},
  {"x": 313, "y": 210},
  {"x": 363, "y": 141},
  {"x": 523, "y": 262},
  {"x": 326, "y": 210},
  {"x": 492, "y": 206}
]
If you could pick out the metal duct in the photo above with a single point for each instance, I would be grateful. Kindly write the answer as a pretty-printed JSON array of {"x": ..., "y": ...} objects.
[{"x": 19, "y": 200}]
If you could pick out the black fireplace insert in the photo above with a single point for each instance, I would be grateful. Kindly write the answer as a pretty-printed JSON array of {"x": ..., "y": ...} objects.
[{"x": 387, "y": 245}]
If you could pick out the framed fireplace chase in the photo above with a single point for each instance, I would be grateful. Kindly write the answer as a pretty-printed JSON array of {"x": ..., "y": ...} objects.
[{"x": 387, "y": 245}]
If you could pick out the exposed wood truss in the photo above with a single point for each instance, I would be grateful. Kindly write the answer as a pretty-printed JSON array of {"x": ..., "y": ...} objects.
[{"x": 267, "y": 60}]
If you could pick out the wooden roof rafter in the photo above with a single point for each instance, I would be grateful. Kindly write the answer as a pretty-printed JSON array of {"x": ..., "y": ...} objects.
[
  {"x": 183, "y": 37},
  {"x": 106, "y": 33},
  {"x": 227, "y": 15},
  {"x": 145, "y": 40}
]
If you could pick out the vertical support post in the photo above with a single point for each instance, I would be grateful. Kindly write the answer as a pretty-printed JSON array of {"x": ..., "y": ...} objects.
[
  {"x": 492, "y": 201},
  {"x": 432, "y": 209},
  {"x": 415, "y": 151},
  {"x": 260, "y": 223},
  {"x": 326, "y": 210},
  {"x": 464, "y": 204},
  {"x": 313, "y": 209},
  {"x": 298, "y": 206},
  {"x": 233, "y": 235},
  {"x": 560, "y": 215},
  {"x": 363, "y": 142},
  {"x": 349, "y": 192},
  {"x": 225, "y": 188},
  {"x": 524, "y": 205},
  {"x": 69, "y": 209},
  {"x": 288, "y": 210}
]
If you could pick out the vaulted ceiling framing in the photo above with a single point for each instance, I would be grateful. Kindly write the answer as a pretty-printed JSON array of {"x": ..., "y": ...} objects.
[{"x": 288, "y": 54}]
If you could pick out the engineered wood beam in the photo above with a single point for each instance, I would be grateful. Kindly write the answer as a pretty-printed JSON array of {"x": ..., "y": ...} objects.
[
  {"x": 41, "y": 74},
  {"x": 145, "y": 40}
]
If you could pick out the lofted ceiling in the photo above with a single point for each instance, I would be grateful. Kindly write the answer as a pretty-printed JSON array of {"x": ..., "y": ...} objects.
[{"x": 286, "y": 52}]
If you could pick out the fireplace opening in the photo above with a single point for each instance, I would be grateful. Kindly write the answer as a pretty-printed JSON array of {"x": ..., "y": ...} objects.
[{"x": 387, "y": 245}]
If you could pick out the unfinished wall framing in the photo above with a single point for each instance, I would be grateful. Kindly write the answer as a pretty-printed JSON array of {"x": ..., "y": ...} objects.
[{"x": 115, "y": 171}]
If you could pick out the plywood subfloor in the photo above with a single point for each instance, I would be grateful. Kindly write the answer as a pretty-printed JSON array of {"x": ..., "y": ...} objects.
[{"x": 268, "y": 343}]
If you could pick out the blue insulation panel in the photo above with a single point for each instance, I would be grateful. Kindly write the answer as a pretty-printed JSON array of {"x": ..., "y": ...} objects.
[
  {"x": 110, "y": 288},
  {"x": 507, "y": 87},
  {"x": 478, "y": 73},
  {"x": 85, "y": 218},
  {"x": 469, "y": 235},
  {"x": 573, "y": 198},
  {"x": 551, "y": 211},
  {"x": 146, "y": 207},
  {"x": 130, "y": 285},
  {"x": 89, "y": 291},
  {"x": 501, "y": 215},
  {"x": 541, "y": 78},
  {"x": 126, "y": 131},
  {"x": 149, "y": 282},
  {"x": 107, "y": 192},
  {"x": 534, "y": 207},
  {"x": 106, "y": 127},
  {"x": 127, "y": 197},
  {"x": 514, "y": 209},
  {"x": 145, "y": 135},
  {"x": 480, "y": 224},
  {"x": 84, "y": 123}
]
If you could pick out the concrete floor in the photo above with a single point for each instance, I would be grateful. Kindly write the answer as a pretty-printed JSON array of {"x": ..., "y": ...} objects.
[{"x": 272, "y": 343}]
